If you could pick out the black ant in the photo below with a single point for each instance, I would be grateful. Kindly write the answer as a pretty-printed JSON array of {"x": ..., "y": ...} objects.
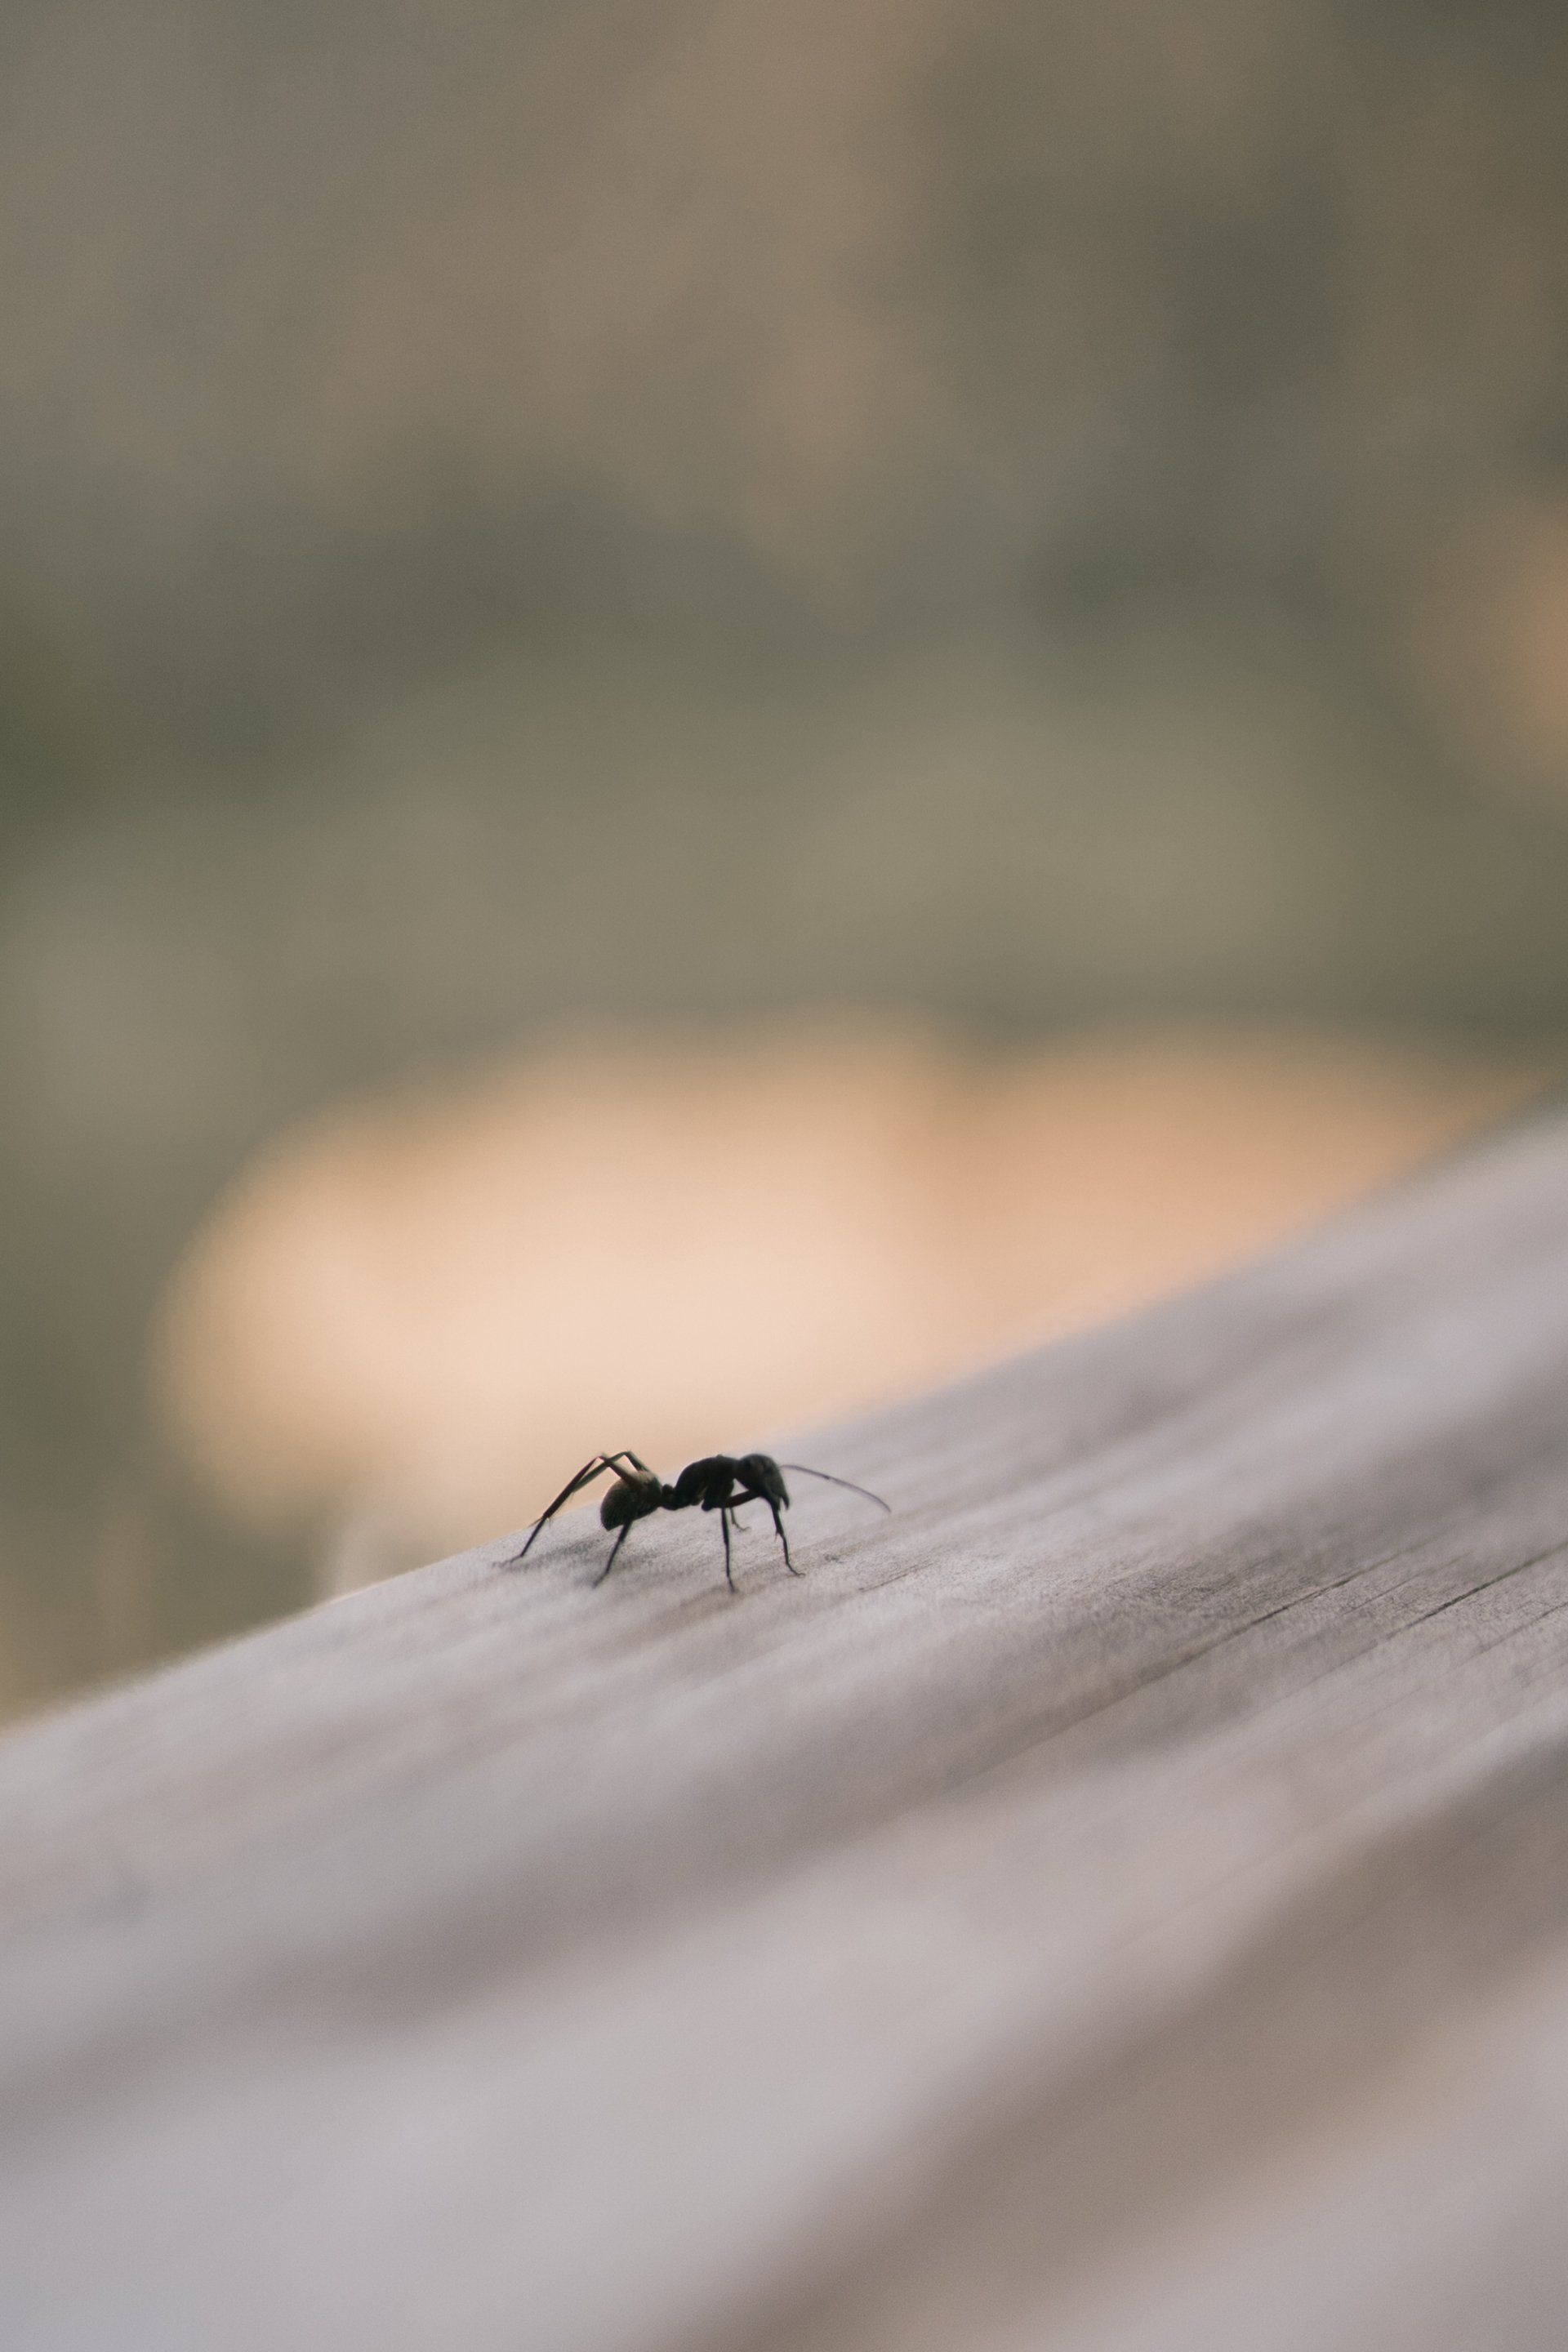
[{"x": 720, "y": 1482}]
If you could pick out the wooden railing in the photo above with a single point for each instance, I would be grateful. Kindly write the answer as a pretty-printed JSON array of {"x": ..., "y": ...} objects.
[{"x": 1121, "y": 1899}]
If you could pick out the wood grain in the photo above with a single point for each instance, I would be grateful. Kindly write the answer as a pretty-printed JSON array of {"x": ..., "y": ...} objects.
[{"x": 1120, "y": 1900}]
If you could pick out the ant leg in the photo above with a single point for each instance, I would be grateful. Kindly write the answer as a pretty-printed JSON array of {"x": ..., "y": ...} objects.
[
  {"x": 588, "y": 1473},
  {"x": 614, "y": 1548},
  {"x": 779, "y": 1531},
  {"x": 754, "y": 1495},
  {"x": 729, "y": 1572}
]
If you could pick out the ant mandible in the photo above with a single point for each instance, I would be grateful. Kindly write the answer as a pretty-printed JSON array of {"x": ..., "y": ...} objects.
[{"x": 720, "y": 1482}]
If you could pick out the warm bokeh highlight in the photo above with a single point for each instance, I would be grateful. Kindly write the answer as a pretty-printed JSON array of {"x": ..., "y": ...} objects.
[{"x": 412, "y": 1319}]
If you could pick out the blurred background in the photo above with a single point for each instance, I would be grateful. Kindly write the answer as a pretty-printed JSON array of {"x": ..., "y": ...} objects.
[{"x": 706, "y": 708}]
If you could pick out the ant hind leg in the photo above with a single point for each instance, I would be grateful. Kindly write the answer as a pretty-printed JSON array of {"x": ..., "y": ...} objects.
[
  {"x": 588, "y": 1473},
  {"x": 614, "y": 1548}
]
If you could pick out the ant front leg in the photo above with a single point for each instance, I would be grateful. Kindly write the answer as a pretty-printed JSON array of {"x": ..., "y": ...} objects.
[
  {"x": 754, "y": 1493},
  {"x": 724, "y": 1523},
  {"x": 779, "y": 1531}
]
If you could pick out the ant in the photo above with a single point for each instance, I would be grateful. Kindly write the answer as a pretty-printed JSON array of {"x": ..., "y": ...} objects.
[{"x": 720, "y": 1482}]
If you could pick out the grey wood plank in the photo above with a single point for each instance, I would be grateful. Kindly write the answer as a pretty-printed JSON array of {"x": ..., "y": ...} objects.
[{"x": 945, "y": 1950}]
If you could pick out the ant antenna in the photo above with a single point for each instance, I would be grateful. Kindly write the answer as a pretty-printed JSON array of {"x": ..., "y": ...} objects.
[{"x": 806, "y": 1470}]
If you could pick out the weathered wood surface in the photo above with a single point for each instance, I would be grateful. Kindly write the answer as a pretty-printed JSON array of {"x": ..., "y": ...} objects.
[{"x": 1121, "y": 1900}]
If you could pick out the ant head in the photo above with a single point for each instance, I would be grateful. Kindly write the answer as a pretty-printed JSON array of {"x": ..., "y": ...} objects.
[{"x": 761, "y": 1471}]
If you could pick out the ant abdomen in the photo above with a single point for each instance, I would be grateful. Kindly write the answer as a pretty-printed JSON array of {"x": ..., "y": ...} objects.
[{"x": 629, "y": 1500}]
